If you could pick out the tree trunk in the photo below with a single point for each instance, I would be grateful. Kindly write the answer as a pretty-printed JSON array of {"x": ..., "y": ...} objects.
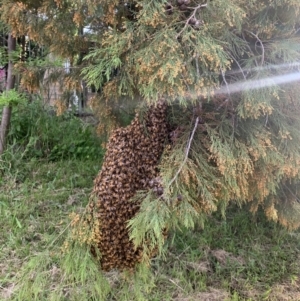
[{"x": 10, "y": 84}]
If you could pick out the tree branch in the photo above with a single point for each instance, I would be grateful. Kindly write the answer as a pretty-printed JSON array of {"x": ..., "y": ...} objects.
[
  {"x": 261, "y": 44},
  {"x": 225, "y": 81},
  {"x": 191, "y": 17},
  {"x": 236, "y": 61},
  {"x": 249, "y": 48},
  {"x": 186, "y": 153},
  {"x": 291, "y": 192}
]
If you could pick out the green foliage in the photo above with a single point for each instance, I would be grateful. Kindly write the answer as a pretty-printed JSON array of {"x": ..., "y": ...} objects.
[
  {"x": 77, "y": 276},
  {"x": 35, "y": 201},
  {"x": 12, "y": 98},
  {"x": 3, "y": 56},
  {"x": 13, "y": 55},
  {"x": 37, "y": 132},
  {"x": 147, "y": 228}
]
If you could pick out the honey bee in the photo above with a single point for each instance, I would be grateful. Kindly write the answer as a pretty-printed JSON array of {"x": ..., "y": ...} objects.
[{"x": 132, "y": 154}]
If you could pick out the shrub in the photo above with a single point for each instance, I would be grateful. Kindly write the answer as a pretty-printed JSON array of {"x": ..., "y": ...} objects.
[{"x": 37, "y": 132}]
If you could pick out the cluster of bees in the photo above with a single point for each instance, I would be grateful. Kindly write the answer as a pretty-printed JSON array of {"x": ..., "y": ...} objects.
[{"x": 130, "y": 164}]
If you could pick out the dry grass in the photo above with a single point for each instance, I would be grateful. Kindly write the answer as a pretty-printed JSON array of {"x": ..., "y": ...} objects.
[{"x": 212, "y": 294}]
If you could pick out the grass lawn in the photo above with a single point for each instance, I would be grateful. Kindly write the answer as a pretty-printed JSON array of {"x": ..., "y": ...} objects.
[{"x": 242, "y": 257}]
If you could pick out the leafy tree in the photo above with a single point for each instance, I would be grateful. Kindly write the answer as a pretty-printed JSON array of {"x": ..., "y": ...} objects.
[
  {"x": 64, "y": 29},
  {"x": 53, "y": 25},
  {"x": 229, "y": 72}
]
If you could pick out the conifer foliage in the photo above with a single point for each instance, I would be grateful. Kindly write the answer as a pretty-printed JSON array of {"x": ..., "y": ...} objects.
[
  {"x": 229, "y": 71},
  {"x": 129, "y": 165}
]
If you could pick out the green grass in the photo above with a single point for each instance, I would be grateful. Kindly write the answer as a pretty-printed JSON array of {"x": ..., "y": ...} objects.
[
  {"x": 238, "y": 258},
  {"x": 34, "y": 207}
]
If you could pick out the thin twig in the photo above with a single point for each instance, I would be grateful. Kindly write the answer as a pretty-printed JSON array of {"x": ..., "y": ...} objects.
[
  {"x": 59, "y": 235},
  {"x": 176, "y": 284},
  {"x": 190, "y": 17},
  {"x": 228, "y": 91},
  {"x": 250, "y": 49},
  {"x": 232, "y": 56},
  {"x": 222, "y": 104},
  {"x": 225, "y": 81},
  {"x": 267, "y": 119},
  {"x": 291, "y": 192},
  {"x": 261, "y": 44},
  {"x": 69, "y": 224},
  {"x": 186, "y": 153},
  {"x": 188, "y": 247},
  {"x": 197, "y": 65}
]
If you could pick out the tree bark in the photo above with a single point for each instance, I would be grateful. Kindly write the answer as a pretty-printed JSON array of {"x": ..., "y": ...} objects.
[{"x": 10, "y": 84}]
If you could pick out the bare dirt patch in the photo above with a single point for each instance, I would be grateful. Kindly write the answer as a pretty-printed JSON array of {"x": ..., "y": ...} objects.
[
  {"x": 224, "y": 257},
  {"x": 6, "y": 292},
  {"x": 212, "y": 294},
  {"x": 285, "y": 292}
]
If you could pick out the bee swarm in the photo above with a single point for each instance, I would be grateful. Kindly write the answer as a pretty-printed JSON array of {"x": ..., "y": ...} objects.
[{"x": 130, "y": 164}]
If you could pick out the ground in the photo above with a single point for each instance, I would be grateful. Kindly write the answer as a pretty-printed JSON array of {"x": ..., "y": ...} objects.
[{"x": 240, "y": 257}]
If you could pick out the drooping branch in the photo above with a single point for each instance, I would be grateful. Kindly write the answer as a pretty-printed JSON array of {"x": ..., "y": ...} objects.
[
  {"x": 225, "y": 81},
  {"x": 238, "y": 64},
  {"x": 249, "y": 48},
  {"x": 186, "y": 153},
  {"x": 261, "y": 44}
]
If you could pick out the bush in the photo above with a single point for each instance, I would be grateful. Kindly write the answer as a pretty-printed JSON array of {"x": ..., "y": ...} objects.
[{"x": 38, "y": 133}]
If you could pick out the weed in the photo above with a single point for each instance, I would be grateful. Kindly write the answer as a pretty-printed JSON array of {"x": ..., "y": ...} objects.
[{"x": 36, "y": 132}]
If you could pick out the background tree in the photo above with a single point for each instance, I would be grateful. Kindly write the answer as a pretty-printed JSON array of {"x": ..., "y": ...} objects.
[
  {"x": 10, "y": 84},
  {"x": 57, "y": 28}
]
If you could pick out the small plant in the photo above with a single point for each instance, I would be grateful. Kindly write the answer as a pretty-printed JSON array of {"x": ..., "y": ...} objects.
[
  {"x": 12, "y": 98},
  {"x": 36, "y": 132}
]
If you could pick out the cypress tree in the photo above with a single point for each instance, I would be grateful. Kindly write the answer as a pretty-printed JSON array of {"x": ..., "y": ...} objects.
[{"x": 229, "y": 73}]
